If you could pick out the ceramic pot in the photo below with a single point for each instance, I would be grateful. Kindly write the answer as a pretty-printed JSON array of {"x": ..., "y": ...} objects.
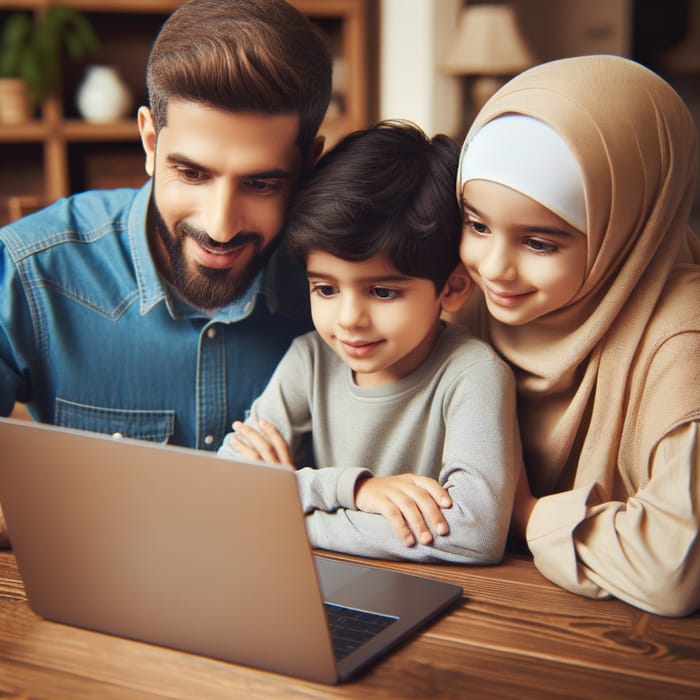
[{"x": 103, "y": 96}]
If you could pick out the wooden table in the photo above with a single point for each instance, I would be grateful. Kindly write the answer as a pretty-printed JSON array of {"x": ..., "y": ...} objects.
[{"x": 515, "y": 636}]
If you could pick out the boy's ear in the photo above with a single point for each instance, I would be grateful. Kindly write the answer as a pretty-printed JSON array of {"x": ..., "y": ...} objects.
[{"x": 457, "y": 289}]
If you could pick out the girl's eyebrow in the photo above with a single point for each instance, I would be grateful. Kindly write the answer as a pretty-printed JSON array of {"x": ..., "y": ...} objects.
[
  {"x": 535, "y": 228},
  {"x": 550, "y": 231}
]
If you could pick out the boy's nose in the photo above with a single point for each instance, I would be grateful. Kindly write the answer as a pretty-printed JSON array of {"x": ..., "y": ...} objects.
[{"x": 350, "y": 312}]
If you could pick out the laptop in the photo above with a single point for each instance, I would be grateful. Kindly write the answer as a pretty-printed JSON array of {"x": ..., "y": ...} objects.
[{"x": 184, "y": 549}]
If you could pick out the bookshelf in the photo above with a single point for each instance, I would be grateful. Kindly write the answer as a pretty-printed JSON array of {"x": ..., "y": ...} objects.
[{"x": 58, "y": 153}]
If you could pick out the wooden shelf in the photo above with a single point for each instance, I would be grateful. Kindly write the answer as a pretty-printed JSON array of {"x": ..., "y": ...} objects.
[{"x": 53, "y": 156}]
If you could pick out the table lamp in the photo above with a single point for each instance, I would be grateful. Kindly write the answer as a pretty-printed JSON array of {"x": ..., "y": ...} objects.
[{"x": 489, "y": 48}]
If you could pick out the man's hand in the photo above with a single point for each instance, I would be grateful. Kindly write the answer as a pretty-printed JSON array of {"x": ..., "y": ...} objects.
[
  {"x": 411, "y": 503},
  {"x": 265, "y": 445}
]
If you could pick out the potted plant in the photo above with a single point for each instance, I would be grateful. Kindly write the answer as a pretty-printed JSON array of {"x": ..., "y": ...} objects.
[{"x": 30, "y": 53}]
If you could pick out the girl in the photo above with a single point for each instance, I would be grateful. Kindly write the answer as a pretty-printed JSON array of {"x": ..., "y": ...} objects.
[{"x": 576, "y": 182}]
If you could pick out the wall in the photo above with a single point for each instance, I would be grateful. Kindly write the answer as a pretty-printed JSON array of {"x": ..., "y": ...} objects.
[{"x": 413, "y": 39}]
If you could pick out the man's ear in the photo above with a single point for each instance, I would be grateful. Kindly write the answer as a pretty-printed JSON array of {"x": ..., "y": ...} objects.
[
  {"x": 147, "y": 130},
  {"x": 457, "y": 289},
  {"x": 314, "y": 153}
]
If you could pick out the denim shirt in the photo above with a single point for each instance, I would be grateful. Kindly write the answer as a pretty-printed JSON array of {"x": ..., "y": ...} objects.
[{"x": 91, "y": 337}]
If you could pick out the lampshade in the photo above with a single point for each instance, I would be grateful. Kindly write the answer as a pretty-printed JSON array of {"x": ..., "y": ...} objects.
[{"x": 488, "y": 42}]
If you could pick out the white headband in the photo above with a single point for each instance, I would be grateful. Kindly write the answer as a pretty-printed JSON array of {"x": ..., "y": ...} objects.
[{"x": 528, "y": 156}]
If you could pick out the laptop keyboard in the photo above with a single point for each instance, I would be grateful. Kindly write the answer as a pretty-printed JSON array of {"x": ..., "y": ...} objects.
[{"x": 352, "y": 628}]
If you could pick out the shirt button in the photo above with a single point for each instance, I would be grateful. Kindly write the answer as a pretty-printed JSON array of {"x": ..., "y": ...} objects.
[
  {"x": 211, "y": 333},
  {"x": 209, "y": 440}
]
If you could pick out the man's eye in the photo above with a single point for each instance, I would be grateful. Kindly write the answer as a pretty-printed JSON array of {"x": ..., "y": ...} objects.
[
  {"x": 191, "y": 174},
  {"x": 264, "y": 186},
  {"x": 384, "y": 293}
]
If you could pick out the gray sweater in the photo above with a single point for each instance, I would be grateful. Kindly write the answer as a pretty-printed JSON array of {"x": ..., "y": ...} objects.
[{"x": 452, "y": 419}]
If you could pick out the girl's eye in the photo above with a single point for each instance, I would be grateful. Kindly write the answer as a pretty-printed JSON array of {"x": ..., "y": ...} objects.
[
  {"x": 324, "y": 290},
  {"x": 541, "y": 247},
  {"x": 384, "y": 293},
  {"x": 476, "y": 226}
]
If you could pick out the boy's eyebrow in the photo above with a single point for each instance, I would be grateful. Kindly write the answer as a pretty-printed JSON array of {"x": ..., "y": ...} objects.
[
  {"x": 550, "y": 230},
  {"x": 365, "y": 280},
  {"x": 273, "y": 174}
]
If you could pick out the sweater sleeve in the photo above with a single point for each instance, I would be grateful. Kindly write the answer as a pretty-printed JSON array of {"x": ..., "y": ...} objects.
[
  {"x": 645, "y": 551},
  {"x": 480, "y": 458}
]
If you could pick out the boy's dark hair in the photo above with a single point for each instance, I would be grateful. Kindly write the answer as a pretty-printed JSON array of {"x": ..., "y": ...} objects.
[
  {"x": 388, "y": 189},
  {"x": 242, "y": 55}
]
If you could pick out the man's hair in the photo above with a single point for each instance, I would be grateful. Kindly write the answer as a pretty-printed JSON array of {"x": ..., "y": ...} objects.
[
  {"x": 242, "y": 55},
  {"x": 388, "y": 189}
]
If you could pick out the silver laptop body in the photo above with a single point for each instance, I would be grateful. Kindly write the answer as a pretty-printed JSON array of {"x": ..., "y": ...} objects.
[{"x": 183, "y": 549}]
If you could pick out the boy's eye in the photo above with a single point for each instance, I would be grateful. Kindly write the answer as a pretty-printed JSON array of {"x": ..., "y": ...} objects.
[
  {"x": 384, "y": 293},
  {"x": 541, "y": 246},
  {"x": 324, "y": 290}
]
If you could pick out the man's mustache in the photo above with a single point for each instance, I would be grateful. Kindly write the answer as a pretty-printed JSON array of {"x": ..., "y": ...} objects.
[{"x": 205, "y": 241}]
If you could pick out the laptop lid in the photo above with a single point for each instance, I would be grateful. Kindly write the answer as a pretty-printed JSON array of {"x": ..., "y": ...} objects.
[{"x": 187, "y": 550}]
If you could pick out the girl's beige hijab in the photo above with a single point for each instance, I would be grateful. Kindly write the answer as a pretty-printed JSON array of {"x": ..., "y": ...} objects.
[{"x": 586, "y": 401}]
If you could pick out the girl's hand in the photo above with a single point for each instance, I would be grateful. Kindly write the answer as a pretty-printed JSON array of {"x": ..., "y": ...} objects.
[
  {"x": 265, "y": 445},
  {"x": 411, "y": 503}
]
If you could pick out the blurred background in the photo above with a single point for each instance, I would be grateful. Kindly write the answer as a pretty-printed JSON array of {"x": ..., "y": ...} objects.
[{"x": 431, "y": 61}]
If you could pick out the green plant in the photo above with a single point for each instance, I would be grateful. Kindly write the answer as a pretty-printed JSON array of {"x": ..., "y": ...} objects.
[{"x": 31, "y": 46}]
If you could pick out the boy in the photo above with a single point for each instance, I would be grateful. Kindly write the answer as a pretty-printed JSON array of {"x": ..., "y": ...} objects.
[{"x": 412, "y": 421}]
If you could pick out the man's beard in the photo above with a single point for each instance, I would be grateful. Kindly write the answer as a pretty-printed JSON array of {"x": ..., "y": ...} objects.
[{"x": 206, "y": 288}]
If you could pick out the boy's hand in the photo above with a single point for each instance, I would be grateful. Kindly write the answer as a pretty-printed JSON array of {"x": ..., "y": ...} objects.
[
  {"x": 265, "y": 446},
  {"x": 411, "y": 503}
]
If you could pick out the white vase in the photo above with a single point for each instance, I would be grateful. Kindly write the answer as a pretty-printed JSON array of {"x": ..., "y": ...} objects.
[{"x": 103, "y": 96}]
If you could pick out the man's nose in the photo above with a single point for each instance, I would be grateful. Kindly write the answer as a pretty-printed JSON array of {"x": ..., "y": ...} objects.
[{"x": 225, "y": 213}]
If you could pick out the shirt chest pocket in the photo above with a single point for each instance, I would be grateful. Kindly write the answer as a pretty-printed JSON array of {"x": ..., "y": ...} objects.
[{"x": 156, "y": 426}]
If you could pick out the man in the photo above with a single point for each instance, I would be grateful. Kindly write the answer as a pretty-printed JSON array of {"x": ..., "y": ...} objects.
[{"x": 160, "y": 313}]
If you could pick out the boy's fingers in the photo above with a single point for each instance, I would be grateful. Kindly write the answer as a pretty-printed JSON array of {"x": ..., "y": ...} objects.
[
  {"x": 278, "y": 442},
  {"x": 257, "y": 442},
  {"x": 424, "y": 516}
]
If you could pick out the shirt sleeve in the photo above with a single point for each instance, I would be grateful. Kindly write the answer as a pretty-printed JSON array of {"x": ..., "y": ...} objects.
[
  {"x": 645, "y": 551},
  {"x": 481, "y": 455}
]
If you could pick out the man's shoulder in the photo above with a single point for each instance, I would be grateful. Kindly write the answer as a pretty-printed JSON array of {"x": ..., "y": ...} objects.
[{"x": 81, "y": 218}]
